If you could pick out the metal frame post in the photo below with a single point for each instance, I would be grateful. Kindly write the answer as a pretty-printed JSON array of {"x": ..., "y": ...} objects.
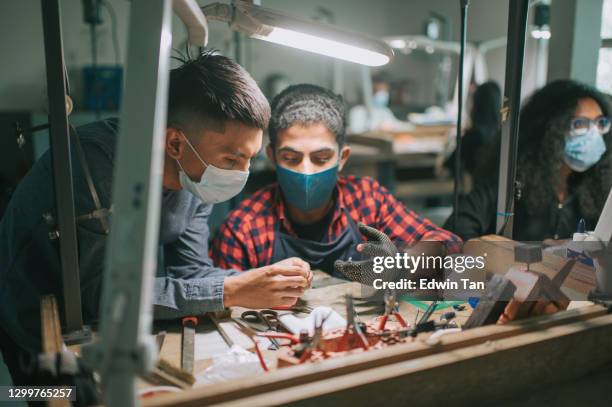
[
  {"x": 515, "y": 52},
  {"x": 458, "y": 187},
  {"x": 62, "y": 169},
  {"x": 126, "y": 348}
]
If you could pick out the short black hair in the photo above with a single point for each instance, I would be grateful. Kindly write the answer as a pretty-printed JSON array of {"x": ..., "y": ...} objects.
[
  {"x": 212, "y": 87},
  {"x": 307, "y": 104},
  {"x": 381, "y": 77}
]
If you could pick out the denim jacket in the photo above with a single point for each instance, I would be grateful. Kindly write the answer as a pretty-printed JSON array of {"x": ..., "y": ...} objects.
[{"x": 186, "y": 283}]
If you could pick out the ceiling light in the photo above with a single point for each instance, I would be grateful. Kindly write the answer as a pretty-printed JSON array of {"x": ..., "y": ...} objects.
[{"x": 397, "y": 43}]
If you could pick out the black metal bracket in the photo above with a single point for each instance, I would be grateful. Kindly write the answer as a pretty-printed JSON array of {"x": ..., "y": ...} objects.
[
  {"x": 62, "y": 169},
  {"x": 515, "y": 52},
  {"x": 459, "y": 137}
]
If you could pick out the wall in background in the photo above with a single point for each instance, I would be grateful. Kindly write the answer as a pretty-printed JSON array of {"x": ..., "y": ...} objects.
[
  {"x": 576, "y": 39},
  {"x": 22, "y": 83},
  {"x": 487, "y": 20}
]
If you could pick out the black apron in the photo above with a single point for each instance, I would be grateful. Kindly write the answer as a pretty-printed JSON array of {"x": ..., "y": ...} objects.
[{"x": 320, "y": 256}]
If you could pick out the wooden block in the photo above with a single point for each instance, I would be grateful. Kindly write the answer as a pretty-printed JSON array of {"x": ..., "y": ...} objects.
[
  {"x": 492, "y": 304},
  {"x": 167, "y": 374},
  {"x": 534, "y": 292}
]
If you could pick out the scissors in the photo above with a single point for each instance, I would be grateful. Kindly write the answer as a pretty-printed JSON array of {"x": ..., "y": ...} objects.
[{"x": 264, "y": 321}]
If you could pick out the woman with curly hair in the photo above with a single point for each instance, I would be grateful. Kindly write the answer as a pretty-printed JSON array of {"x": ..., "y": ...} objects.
[{"x": 563, "y": 168}]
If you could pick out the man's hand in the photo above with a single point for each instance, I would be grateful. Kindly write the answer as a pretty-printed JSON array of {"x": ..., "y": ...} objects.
[
  {"x": 296, "y": 261},
  {"x": 378, "y": 245},
  {"x": 279, "y": 284}
]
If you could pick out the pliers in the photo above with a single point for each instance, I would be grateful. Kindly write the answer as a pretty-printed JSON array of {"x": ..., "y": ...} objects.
[{"x": 391, "y": 308}]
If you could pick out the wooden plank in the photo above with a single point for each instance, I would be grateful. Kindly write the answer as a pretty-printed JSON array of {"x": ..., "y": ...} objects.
[
  {"x": 351, "y": 364},
  {"x": 164, "y": 373},
  {"x": 482, "y": 374},
  {"x": 50, "y": 325},
  {"x": 51, "y": 332}
]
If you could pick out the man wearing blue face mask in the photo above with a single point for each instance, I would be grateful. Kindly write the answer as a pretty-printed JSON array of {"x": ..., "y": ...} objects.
[
  {"x": 376, "y": 116},
  {"x": 564, "y": 168},
  {"x": 313, "y": 212},
  {"x": 216, "y": 117}
]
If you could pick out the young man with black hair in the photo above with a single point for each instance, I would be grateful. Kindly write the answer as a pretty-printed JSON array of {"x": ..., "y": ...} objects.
[
  {"x": 312, "y": 213},
  {"x": 216, "y": 117}
]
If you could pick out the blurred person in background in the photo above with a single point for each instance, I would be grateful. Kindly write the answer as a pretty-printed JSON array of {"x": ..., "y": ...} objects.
[
  {"x": 480, "y": 146},
  {"x": 563, "y": 168},
  {"x": 377, "y": 116}
]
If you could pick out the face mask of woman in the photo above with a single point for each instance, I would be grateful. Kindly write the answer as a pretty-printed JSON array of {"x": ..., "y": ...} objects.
[
  {"x": 216, "y": 184},
  {"x": 380, "y": 99},
  {"x": 585, "y": 146}
]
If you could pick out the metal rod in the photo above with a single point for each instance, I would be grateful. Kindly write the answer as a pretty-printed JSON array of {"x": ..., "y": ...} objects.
[
  {"x": 62, "y": 165},
  {"x": 430, "y": 310},
  {"x": 126, "y": 349},
  {"x": 458, "y": 176},
  {"x": 94, "y": 68},
  {"x": 515, "y": 52},
  {"x": 222, "y": 331}
]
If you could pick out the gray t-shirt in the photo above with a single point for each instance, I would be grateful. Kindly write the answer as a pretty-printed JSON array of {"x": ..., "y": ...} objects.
[{"x": 187, "y": 283}]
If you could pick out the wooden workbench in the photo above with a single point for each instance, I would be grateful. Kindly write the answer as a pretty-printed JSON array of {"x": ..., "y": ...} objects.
[
  {"x": 482, "y": 365},
  {"x": 326, "y": 291}
]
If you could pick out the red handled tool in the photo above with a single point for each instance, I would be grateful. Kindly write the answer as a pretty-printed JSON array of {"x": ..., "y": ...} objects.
[
  {"x": 248, "y": 331},
  {"x": 280, "y": 335},
  {"x": 391, "y": 308}
]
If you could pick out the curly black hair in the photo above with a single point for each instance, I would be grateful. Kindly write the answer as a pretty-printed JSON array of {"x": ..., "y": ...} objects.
[
  {"x": 544, "y": 122},
  {"x": 307, "y": 104}
]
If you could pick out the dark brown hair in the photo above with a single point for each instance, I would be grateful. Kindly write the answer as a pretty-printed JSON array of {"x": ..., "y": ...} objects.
[
  {"x": 212, "y": 87},
  {"x": 307, "y": 104}
]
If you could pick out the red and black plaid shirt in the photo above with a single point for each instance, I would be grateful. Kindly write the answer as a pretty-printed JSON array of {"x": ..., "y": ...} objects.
[{"x": 246, "y": 238}]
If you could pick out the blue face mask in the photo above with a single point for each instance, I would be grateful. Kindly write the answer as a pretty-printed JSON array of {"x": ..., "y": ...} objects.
[
  {"x": 307, "y": 191},
  {"x": 582, "y": 152},
  {"x": 380, "y": 99}
]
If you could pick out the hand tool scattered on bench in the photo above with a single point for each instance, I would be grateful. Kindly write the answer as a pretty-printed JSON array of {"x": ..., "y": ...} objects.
[
  {"x": 188, "y": 343},
  {"x": 265, "y": 320},
  {"x": 391, "y": 308}
]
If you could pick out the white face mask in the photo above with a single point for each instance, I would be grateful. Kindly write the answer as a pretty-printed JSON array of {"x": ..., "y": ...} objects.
[{"x": 216, "y": 185}]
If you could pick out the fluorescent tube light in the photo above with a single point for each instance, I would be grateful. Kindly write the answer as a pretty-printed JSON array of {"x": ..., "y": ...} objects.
[
  {"x": 273, "y": 26},
  {"x": 324, "y": 46}
]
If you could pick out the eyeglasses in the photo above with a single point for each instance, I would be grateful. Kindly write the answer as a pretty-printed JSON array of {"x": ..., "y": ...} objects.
[{"x": 581, "y": 125}]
